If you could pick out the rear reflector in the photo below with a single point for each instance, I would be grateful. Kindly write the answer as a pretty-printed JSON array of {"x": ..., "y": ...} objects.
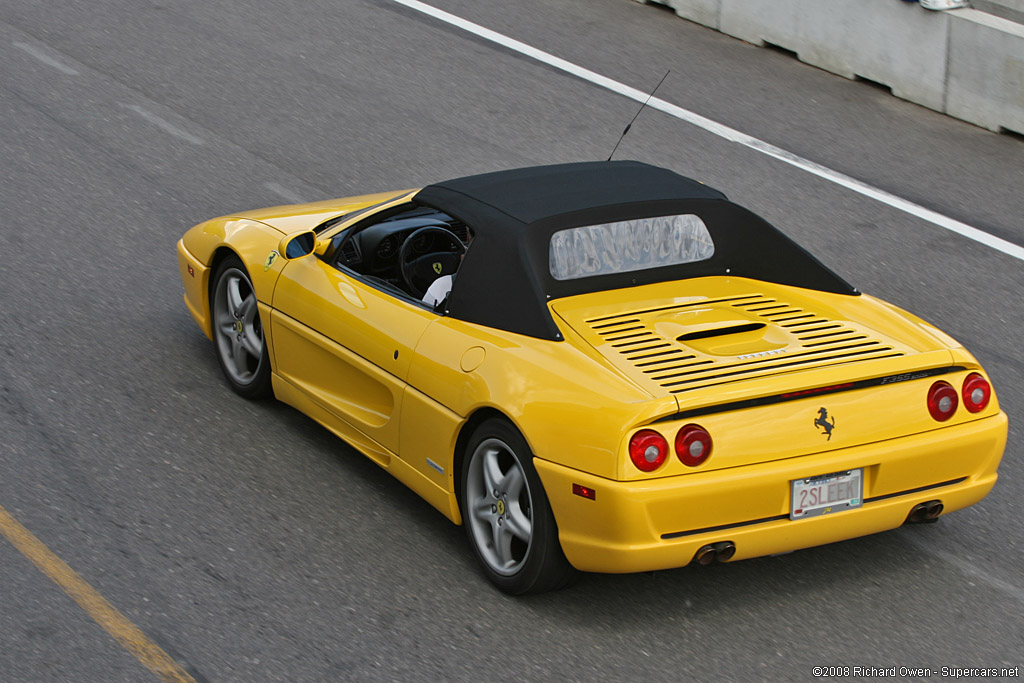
[{"x": 584, "y": 491}]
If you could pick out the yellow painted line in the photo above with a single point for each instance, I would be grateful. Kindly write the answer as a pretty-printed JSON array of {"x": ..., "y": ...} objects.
[{"x": 102, "y": 612}]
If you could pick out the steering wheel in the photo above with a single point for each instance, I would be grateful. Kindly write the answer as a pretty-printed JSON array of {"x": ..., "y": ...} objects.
[{"x": 418, "y": 272}]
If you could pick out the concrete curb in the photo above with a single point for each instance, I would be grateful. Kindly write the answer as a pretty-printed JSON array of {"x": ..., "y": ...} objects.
[{"x": 965, "y": 63}]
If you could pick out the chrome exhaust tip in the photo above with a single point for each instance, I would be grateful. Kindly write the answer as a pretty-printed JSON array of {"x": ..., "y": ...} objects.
[
  {"x": 917, "y": 513},
  {"x": 925, "y": 513},
  {"x": 715, "y": 552},
  {"x": 706, "y": 555},
  {"x": 932, "y": 510},
  {"x": 726, "y": 549}
]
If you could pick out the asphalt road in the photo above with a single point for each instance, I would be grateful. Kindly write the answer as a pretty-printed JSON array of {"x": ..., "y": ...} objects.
[{"x": 251, "y": 545}]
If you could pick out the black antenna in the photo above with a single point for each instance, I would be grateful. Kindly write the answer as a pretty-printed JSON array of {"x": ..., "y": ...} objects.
[{"x": 630, "y": 124}]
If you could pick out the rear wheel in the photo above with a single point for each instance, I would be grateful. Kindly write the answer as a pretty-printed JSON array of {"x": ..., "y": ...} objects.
[
  {"x": 238, "y": 331},
  {"x": 507, "y": 515}
]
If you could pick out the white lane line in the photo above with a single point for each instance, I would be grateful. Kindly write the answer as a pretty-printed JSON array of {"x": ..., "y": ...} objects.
[
  {"x": 164, "y": 125},
  {"x": 723, "y": 131},
  {"x": 282, "y": 191},
  {"x": 46, "y": 59}
]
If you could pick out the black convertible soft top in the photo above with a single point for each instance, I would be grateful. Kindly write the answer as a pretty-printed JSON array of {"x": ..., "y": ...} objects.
[{"x": 505, "y": 281}]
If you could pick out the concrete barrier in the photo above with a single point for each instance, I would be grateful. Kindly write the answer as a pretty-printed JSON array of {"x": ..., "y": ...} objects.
[
  {"x": 965, "y": 63},
  {"x": 700, "y": 11},
  {"x": 889, "y": 42},
  {"x": 1007, "y": 9},
  {"x": 985, "y": 84}
]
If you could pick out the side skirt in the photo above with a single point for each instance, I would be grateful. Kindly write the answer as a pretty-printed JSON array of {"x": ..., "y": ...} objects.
[{"x": 443, "y": 500}]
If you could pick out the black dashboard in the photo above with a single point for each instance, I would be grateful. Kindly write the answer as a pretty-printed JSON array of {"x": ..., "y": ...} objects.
[{"x": 373, "y": 249}]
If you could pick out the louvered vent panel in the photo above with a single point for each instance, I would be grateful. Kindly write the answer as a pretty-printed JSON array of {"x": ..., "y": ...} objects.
[{"x": 677, "y": 367}]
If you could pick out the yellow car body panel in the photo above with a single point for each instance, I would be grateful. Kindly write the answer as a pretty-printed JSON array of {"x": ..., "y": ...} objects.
[
  {"x": 254, "y": 236},
  {"x": 402, "y": 384},
  {"x": 661, "y": 523},
  {"x": 352, "y": 349},
  {"x": 673, "y": 309},
  {"x": 438, "y": 496},
  {"x": 251, "y": 241},
  {"x": 565, "y": 403}
]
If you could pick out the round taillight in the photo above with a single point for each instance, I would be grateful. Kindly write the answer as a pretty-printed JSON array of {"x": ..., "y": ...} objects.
[
  {"x": 977, "y": 392},
  {"x": 693, "y": 445},
  {"x": 942, "y": 401},
  {"x": 648, "y": 450}
]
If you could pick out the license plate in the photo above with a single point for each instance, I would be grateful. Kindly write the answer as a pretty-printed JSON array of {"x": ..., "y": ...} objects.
[{"x": 826, "y": 493}]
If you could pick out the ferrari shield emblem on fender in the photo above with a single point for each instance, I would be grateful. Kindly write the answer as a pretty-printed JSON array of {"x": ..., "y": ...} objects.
[
  {"x": 271, "y": 257},
  {"x": 437, "y": 267},
  {"x": 822, "y": 423}
]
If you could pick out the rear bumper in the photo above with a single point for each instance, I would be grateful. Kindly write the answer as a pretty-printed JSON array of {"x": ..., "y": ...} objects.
[{"x": 661, "y": 523}]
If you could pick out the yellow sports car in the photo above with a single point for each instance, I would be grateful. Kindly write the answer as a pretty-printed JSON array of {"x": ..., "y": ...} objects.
[{"x": 600, "y": 367}]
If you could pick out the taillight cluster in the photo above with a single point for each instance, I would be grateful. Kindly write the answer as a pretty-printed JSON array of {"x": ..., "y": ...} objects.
[
  {"x": 648, "y": 449},
  {"x": 693, "y": 445},
  {"x": 976, "y": 392},
  {"x": 943, "y": 399}
]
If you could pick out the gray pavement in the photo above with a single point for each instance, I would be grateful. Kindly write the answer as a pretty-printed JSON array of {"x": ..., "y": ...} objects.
[{"x": 252, "y": 545}]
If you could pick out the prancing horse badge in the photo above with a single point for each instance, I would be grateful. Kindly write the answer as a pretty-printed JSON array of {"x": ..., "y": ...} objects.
[{"x": 822, "y": 422}]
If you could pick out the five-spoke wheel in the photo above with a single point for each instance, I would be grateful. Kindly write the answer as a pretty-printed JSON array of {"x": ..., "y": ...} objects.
[
  {"x": 500, "y": 507},
  {"x": 507, "y": 515},
  {"x": 238, "y": 332}
]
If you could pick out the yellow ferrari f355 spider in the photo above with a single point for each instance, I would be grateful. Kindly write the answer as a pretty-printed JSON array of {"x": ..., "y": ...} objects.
[{"x": 599, "y": 367}]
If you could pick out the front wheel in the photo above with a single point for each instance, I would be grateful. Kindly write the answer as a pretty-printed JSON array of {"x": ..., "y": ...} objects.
[
  {"x": 238, "y": 331},
  {"x": 507, "y": 515}
]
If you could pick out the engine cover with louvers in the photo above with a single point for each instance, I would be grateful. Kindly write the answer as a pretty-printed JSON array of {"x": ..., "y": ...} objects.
[{"x": 680, "y": 336}]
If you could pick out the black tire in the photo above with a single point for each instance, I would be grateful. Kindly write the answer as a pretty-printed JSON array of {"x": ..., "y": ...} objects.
[
  {"x": 238, "y": 331},
  {"x": 507, "y": 515}
]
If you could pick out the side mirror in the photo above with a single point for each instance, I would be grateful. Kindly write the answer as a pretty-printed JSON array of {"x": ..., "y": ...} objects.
[{"x": 298, "y": 244}]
